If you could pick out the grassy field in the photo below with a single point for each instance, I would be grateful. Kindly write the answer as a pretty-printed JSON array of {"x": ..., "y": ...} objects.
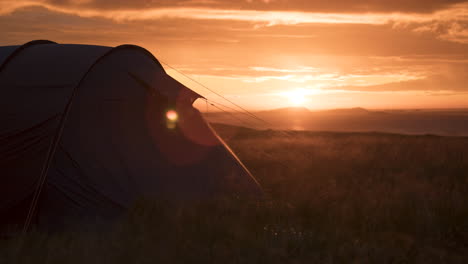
[{"x": 330, "y": 198}]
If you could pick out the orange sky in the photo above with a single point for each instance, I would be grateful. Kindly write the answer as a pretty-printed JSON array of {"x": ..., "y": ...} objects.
[{"x": 277, "y": 53}]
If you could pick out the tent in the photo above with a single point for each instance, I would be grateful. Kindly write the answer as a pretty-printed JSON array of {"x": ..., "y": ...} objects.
[{"x": 95, "y": 128}]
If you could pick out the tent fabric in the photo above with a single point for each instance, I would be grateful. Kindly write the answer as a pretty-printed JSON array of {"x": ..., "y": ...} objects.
[{"x": 116, "y": 144}]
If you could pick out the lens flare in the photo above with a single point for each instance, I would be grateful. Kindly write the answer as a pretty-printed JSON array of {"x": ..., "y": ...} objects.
[{"x": 171, "y": 115}]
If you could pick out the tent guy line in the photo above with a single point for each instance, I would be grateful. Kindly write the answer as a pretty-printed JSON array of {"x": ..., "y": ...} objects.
[
  {"x": 216, "y": 93},
  {"x": 231, "y": 114},
  {"x": 241, "y": 111}
]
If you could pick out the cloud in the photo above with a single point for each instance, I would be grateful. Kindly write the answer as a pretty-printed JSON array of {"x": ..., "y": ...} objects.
[
  {"x": 148, "y": 10},
  {"x": 455, "y": 31},
  {"x": 301, "y": 69},
  {"x": 268, "y": 18},
  {"x": 452, "y": 81},
  {"x": 335, "y": 79},
  {"x": 447, "y": 21},
  {"x": 350, "y": 79},
  {"x": 334, "y": 6},
  {"x": 441, "y": 78},
  {"x": 449, "y": 24}
]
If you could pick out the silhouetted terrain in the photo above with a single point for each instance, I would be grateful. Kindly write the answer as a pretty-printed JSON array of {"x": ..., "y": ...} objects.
[
  {"x": 329, "y": 198},
  {"x": 451, "y": 122}
]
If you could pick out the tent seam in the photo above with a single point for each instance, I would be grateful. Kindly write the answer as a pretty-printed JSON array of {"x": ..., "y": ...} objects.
[
  {"x": 22, "y": 48},
  {"x": 58, "y": 134}
]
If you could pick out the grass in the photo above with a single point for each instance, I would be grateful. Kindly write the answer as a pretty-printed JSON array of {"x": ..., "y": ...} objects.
[{"x": 330, "y": 198}]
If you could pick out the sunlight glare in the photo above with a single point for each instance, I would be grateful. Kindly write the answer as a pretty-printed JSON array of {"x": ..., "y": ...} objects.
[{"x": 296, "y": 97}]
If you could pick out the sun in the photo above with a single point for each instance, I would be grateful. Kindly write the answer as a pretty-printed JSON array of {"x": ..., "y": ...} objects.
[{"x": 296, "y": 97}]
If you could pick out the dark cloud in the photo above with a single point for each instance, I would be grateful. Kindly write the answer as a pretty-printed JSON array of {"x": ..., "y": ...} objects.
[
  {"x": 340, "y": 6},
  {"x": 350, "y": 39},
  {"x": 226, "y": 38}
]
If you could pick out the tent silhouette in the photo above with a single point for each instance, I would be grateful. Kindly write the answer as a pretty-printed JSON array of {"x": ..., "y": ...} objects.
[{"x": 102, "y": 127}]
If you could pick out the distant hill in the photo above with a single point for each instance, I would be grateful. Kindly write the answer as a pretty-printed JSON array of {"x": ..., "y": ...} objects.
[
  {"x": 452, "y": 122},
  {"x": 354, "y": 110},
  {"x": 304, "y": 110}
]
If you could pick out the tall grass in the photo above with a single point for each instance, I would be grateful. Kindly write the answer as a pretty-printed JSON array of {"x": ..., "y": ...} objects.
[{"x": 331, "y": 198}]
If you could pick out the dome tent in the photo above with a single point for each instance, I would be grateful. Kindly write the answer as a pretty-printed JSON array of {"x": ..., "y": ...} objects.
[{"x": 102, "y": 127}]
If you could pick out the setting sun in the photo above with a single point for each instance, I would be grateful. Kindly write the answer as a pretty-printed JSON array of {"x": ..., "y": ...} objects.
[{"x": 296, "y": 97}]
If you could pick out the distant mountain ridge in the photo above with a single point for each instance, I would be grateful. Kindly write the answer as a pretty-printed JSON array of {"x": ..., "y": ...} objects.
[
  {"x": 354, "y": 110},
  {"x": 358, "y": 119},
  {"x": 305, "y": 110}
]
